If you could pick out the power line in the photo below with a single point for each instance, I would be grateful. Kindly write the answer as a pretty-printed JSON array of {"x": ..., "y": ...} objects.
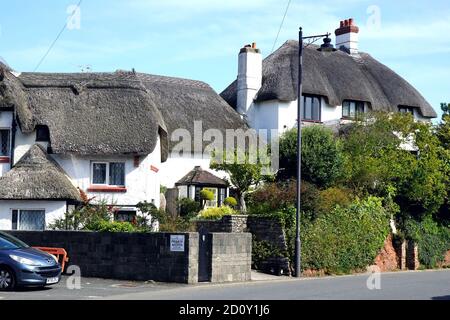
[
  {"x": 57, "y": 37},
  {"x": 281, "y": 25}
]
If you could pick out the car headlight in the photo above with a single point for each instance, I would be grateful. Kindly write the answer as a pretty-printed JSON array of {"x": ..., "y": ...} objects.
[
  {"x": 23, "y": 260},
  {"x": 54, "y": 258}
]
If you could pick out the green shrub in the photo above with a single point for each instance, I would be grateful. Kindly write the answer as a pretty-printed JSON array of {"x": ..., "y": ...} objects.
[
  {"x": 112, "y": 226},
  {"x": 215, "y": 213},
  {"x": 322, "y": 157},
  {"x": 206, "y": 195},
  {"x": 433, "y": 240},
  {"x": 230, "y": 201},
  {"x": 262, "y": 250},
  {"x": 272, "y": 197},
  {"x": 330, "y": 198},
  {"x": 188, "y": 207},
  {"x": 345, "y": 239},
  {"x": 340, "y": 241}
]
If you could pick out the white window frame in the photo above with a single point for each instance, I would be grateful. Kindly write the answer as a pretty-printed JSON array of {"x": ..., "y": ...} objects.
[
  {"x": 107, "y": 163},
  {"x": 19, "y": 212}
]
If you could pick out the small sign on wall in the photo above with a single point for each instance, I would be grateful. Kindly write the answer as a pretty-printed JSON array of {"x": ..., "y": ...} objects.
[{"x": 177, "y": 243}]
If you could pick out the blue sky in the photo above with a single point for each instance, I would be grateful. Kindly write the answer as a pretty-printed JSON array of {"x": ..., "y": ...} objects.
[{"x": 200, "y": 39}]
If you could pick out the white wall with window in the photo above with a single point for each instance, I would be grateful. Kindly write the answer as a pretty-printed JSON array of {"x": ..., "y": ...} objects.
[
  {"x": 30, "y": 215},
  {"x": 114, "y": 179}
]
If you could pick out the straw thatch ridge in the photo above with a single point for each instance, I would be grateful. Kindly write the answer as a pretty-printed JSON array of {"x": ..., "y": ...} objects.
[
  {"x": 37, "y": 177},
  {"x": 183, "y": 101},
  {"x": 95, "y": 113},
  {"x": 337, "y": 77},
  {"x": 198, "y": 176}
]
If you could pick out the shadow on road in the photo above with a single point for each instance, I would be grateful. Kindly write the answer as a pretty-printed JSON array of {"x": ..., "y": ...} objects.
[
  {"x": 31, "y": 289},
  {"x": 441, "y": 298}
]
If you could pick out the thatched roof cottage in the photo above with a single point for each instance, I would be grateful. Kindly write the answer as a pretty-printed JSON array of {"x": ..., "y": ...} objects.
[
  {"x": 336, "y": 86},
  {"x": 107, "y": 134}
]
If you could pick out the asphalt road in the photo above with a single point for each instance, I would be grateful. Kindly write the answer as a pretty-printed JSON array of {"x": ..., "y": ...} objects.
[{"x": 396, "y": 285}]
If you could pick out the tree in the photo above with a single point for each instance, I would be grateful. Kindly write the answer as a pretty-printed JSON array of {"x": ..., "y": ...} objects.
[
  {"x": 243, "y": 173},
  {"x": 386, "y": 152},
  {"x": 443, "y": 129},
  {"x": 321, "y": 156},
  {"x": 206, "y": 195}
]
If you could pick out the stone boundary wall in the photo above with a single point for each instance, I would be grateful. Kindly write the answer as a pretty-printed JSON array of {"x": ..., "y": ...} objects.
[
  {"x": 129, "y": 256},
  {"x": 231, "y": 257},
  {"x": 229, "y": 224}
]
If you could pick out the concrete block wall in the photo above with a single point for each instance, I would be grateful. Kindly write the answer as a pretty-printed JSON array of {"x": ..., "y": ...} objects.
[
  {"x": 130, "y": 256},
  {"x": 231, "y": 257}
]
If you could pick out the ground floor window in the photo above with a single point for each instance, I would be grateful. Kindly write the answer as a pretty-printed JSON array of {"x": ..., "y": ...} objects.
[
  {"x": 222, "y": 195},
  {"x": 30, "y": 220},
  {"x": 125, "y": 216},
  {"x": 311, "y": 108},
  {"x": 406, "y": 109},
  {"x": 352, "y": 109}
]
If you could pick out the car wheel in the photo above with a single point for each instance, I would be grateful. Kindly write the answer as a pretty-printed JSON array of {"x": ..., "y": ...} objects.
[{"x": 7, "y": 281}]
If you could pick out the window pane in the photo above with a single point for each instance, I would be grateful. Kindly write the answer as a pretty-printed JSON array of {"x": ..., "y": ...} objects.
[
  {"x": 4, "y": 143},
  {"x": 346, "y": 109},
  {"x": 316, "y": 109},
  {"x": 359, "y": 107},
  {"x": 32, "y": 220},
  {"x": 125, "y": 216},
  {"x": 99, "y": 173},
  {"x": 117, "y": 173},
  {"x": 308, "y": 108}
]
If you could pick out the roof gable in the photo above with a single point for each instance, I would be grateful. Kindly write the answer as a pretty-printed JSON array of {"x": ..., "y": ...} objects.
[
  {"x": 198, "y": 176},
  {"x": 37, "y": 177}
]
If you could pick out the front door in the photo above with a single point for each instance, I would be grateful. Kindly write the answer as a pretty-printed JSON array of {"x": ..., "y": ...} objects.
[{"x": 204, "y": 256}]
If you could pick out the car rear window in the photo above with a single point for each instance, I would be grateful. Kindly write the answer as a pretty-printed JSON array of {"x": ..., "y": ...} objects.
[{"x": 8, "y": 242}]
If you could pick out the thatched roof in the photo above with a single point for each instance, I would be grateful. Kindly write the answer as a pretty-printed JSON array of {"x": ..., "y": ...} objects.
[
  {"x": 94, "y": 113},
  {"x": 37, "y": 177},
  {"x": 198, "y": 176},
  {"x": 110, "y": 113},
  {"x": 183, "y": 101},
  {"x": 337, "y": 76}
]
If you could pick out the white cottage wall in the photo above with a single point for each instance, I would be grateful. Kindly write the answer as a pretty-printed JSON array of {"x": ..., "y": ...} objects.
[{"x": 53, "y": 210}]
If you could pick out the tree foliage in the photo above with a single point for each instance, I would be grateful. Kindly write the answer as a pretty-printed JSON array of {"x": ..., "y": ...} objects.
[
  {"x": 393, "y": 150},
  {"x": 322, "y": 157},
  {"x": 244, "y": 173}
]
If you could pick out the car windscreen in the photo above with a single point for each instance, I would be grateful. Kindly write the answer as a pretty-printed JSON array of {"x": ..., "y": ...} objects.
[{"x": 8, "y": 242}]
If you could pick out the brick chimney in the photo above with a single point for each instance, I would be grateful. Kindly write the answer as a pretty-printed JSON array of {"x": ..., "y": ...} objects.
[
  {"x": 347, "y": 36},
  {"x": 249, "y": 78}
]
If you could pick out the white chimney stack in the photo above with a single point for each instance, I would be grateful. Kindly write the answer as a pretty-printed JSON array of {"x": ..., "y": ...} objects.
[
  {"x": 249, "y": 78},
  {"x": 347, "y": 37}
]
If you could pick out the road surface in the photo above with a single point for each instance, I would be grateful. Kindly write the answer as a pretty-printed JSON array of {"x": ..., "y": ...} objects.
[{"x": 395, "y": 285}]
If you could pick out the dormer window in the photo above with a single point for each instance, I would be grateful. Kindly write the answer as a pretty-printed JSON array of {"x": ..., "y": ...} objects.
[
  {"x": 352, "y": 109},
  {"x": 406, "y": 109},
  {"x": 5, "y": 142},
  {"x": 311, "y": 108},
  {"x": 42, "y": 134}
]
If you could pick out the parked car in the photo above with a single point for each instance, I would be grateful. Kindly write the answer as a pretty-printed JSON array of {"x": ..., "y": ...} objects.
[{"x": 22, "y": 265}]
